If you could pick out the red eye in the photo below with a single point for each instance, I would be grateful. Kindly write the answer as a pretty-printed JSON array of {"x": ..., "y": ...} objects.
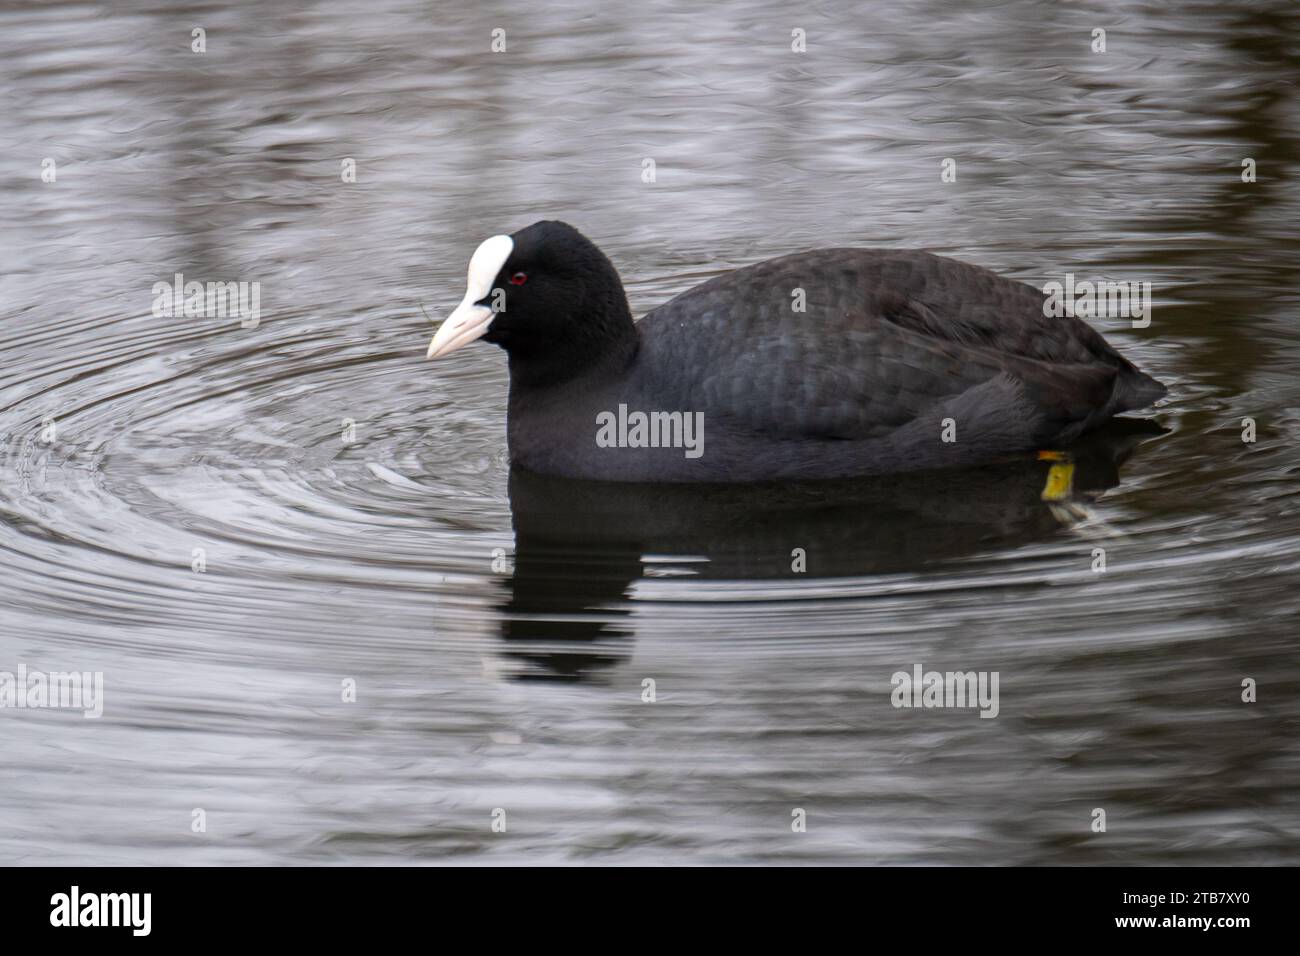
[{"x": 519, "y": 278}]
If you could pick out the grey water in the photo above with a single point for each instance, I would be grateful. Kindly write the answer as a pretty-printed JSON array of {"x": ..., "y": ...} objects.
[{"x": 334, "y": 627}]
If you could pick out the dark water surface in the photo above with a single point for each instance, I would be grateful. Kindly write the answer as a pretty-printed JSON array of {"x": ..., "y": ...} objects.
[{"x": 513, "y": 678}]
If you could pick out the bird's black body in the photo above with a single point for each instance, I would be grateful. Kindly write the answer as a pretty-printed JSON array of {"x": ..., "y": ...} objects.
[{"x": 898, "y": 361}]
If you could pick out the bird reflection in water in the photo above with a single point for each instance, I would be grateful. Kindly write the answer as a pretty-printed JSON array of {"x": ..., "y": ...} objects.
[{"x": 581, "y": 545}]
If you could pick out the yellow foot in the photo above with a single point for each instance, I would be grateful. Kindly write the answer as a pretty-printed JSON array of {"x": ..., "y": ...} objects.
[{"x": 1060, "y": 477}]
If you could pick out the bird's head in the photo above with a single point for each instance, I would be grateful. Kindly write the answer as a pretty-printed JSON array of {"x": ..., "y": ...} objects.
[{"x": 545, "y": 294}]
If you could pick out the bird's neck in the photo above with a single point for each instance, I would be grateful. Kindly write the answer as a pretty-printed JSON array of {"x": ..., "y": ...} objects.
[{"x": 602, "y": 345}]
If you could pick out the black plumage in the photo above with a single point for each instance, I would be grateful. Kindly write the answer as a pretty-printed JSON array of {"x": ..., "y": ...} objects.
[{"x": 893, "y": 352}]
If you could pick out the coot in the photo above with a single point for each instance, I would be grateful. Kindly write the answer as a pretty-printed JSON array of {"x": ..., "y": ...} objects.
[{"x": 824, "y": 364}]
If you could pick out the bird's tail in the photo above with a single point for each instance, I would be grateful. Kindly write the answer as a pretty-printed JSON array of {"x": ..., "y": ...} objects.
[{"x": 1135, "y": 389}]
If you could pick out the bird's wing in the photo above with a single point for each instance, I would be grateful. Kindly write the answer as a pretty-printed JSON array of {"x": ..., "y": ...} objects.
[{"x": 855, "y": 344}]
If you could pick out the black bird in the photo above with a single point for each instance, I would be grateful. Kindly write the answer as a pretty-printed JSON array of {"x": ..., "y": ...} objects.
[{"x": 897, "y": 361}]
